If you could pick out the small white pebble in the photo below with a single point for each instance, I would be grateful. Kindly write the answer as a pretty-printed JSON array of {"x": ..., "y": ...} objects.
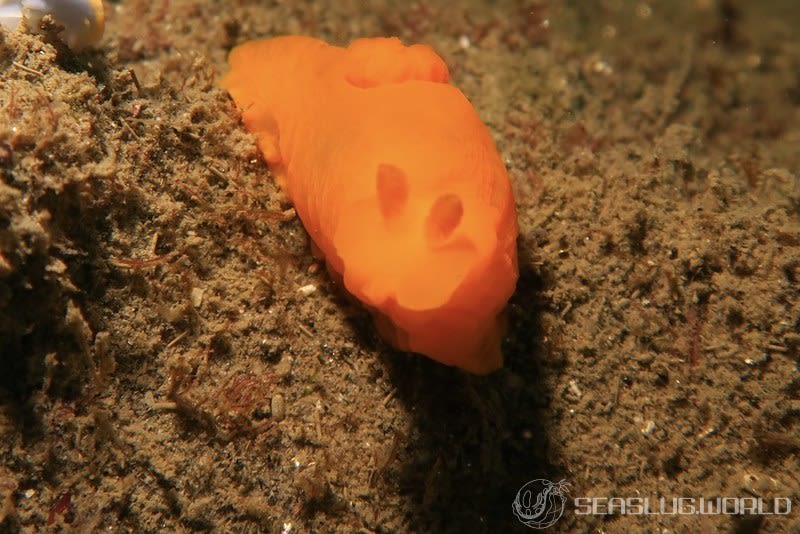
[
  {"x": 196, "y": 296},
  {"x": 707, "y": 432},
  {"x": 602, "y": 67},
  {"x": 83, "y": 20},
  {"x": 575, "y": 389},
  {"x": 306, "y": 290},
  {"x": 648, "y": 428},
  {"x": 463, "y": 42}
]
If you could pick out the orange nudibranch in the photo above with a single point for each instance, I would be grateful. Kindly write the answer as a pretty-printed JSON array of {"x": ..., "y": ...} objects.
[{"x": 396, "y": 180}]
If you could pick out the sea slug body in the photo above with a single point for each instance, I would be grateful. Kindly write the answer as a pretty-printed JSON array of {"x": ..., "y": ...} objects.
[{"x": 396, "y": 180}]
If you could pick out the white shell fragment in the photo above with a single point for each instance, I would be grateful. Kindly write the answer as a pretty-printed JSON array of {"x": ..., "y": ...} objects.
[
  {"x": 83, "y": 20},
  {"x": 306, "y": 290}
]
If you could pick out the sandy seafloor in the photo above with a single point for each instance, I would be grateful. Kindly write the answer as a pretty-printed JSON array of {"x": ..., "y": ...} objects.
[{"x": 161, "y": 372}]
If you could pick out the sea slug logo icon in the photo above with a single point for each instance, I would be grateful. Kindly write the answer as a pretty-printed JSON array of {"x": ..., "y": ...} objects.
[{"x": 540, "y": 503}]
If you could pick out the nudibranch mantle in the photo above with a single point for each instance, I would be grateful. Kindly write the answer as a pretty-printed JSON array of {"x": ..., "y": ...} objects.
[{"x": 396, "y": 180}]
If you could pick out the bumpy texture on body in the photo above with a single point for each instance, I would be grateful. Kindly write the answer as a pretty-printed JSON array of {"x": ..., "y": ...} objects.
[{"x": 397, "y": 181}]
